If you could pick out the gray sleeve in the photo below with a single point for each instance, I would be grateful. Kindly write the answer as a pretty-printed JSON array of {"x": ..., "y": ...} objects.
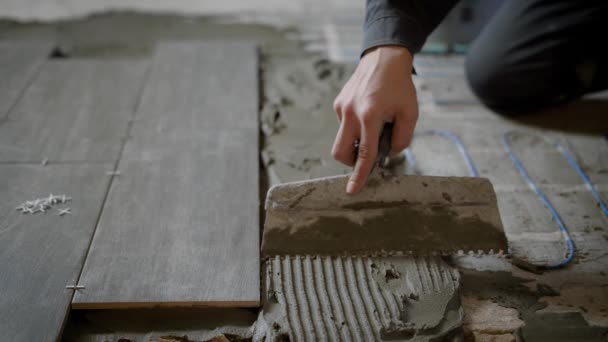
[{"x": 405, "y": 23}]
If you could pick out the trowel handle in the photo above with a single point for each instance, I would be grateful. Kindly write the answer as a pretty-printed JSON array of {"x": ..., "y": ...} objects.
[{"x": 384, "y": 145}]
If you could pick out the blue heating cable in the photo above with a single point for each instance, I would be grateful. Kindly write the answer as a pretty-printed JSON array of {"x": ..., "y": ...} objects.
[
  {"x": 410, "y": 160},
  {"x": 543, "y": 198},
  {"x": 409, "y": 156},
  {"x": 584, "y": 177}
]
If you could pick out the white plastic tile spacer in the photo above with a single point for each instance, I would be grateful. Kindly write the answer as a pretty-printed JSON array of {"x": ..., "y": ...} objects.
[{"x": 75, "y": 287}]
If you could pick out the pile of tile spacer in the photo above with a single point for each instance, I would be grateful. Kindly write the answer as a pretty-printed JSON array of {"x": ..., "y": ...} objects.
[{"x": 41, "y": 205}]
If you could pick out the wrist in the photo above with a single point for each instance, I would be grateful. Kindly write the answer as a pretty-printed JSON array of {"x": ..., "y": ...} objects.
[{"x": 391, "y": 52}]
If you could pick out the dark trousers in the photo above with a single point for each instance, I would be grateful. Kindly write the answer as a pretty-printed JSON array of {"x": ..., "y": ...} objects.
[{"x": 538, "y": 53}]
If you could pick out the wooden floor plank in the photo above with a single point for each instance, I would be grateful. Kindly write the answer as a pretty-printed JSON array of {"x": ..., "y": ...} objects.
[
  {"x": 181, "y": 223},
  {"x": 201, "y": 86},
  {"x": 42, "y": 253},
  {"x": 19, "y": 62},
  {"x": 75, "y": 110}
]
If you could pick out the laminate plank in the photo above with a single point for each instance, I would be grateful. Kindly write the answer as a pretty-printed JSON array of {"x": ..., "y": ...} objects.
[
  {"x": 181, "y": 223},
  {"x": 19, "y": 62},
  {"x": 197, "y": 86},
  {"x": 75, "y": 110},
  {"x": 42, "y": 253}
]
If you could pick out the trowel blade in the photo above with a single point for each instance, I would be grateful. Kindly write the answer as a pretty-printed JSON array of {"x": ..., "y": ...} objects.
[{"x": 392, "y": 215}]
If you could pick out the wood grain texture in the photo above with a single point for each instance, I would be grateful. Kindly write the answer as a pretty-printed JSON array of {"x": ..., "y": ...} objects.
[
  {"x": 181, "y": 224},
  {"x": 42, "y": 253},
  {"x": 201, "y": 86},
  {"x": 75, "y": 110},
  {"x": 19, "y": 62}
]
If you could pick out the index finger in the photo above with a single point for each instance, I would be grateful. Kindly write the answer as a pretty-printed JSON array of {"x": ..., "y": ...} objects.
[{"x": 368, "y": 150}]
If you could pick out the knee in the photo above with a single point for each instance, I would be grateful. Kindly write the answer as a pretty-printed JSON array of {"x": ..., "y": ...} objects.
[
  {"x": 487, "y": 83},
  {"x": 508, "y": 86}
]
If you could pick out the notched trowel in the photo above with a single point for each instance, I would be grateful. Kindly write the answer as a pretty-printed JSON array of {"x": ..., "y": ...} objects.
[{"x": 392, "y": 215}]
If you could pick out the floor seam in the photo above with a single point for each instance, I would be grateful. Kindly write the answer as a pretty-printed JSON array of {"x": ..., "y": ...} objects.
[{"x": 124, "y": 141}]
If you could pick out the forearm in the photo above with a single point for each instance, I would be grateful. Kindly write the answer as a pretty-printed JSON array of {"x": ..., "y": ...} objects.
[{"x": 405, "y": 23}]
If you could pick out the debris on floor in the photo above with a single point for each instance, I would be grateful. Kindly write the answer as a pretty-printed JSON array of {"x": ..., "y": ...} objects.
[
  {"x": 43, "y": 204},
  {"x": 484, "y": 317}
]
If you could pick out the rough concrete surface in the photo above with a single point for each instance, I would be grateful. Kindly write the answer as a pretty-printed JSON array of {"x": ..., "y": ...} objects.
[
  {"x": 359, "y": 299},
  {"x": 524, "y": 293},
  {"x": 297, "y": 119},
  {"x": 590, "y": 301},
  {"x": 488, "y": 318}
]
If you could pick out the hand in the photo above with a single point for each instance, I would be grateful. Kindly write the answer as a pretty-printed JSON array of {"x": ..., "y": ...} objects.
[{"x": 380, "y": 90}]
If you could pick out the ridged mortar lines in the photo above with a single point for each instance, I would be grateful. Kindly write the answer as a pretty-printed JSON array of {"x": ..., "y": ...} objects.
[
  {"x": 420, "y": 277},
  {"x": 354, "y": 298},
  {"x": 434, "y": 275},
  {"x": 353, "y": 290},
  {"x": 383, "y": 308},
  {"x": 393, "y": 307},
  {"x": 399, "y": 302},
  {"x": 370, "y": 301},
  {"x": 362, "y": 298},
  {"x": 335, "y": 298},
  {"x": 304, "y": 300},
  {"x": 428, "y": 278},
  {"x": 288, "y": 290},
  {"x": 352, "y": 320},
  {"x": 275, "y": 284},
  {"x": 317, "y": 316},
  {"x": 444, "y": 277},
  {"x": 327, "y": 312},
  {"x": 388, "y": 298},
  {"x": 438, "y": 275},
  {"x": 395, "y": 303}
]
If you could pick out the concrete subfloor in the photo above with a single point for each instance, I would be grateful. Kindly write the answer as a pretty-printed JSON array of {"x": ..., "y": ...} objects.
[
  {"x": 299, "y": 127},
  {"x": 502, "y": 302}
]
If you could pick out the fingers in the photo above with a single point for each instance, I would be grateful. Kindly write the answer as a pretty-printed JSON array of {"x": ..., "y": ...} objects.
[
  {"x": 403, "y": 131},
  {"x": 348, "y": 132},
  {"x": 368, "y": 149},
  {"x": 341, "y": 104}
]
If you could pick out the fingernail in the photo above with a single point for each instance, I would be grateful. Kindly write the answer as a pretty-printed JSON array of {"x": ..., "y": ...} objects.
[{"x": 350, "y": 187}]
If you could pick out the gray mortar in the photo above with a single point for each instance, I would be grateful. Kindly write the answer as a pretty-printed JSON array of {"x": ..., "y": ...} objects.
[
  {"x": 198, "y": 325},
  {"x": 424, "y": 308},
  {"x": 391, "y": 298},
  {"x": 297, "y": 118}
]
